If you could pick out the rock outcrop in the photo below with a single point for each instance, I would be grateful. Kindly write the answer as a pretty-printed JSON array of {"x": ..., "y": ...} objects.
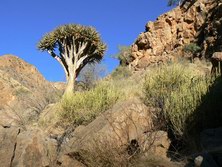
[
  {"x": 24, "y": 91},
  {"x": 197, "y": 22}
]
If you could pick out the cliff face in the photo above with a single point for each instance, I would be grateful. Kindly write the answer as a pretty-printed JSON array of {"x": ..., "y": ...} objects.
[{"x": 197, "y": 22}]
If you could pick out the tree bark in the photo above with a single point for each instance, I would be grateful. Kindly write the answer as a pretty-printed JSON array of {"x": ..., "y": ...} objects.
[{"x": 70, "y": 85}]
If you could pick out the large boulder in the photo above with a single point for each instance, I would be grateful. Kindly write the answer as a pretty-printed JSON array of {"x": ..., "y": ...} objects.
[
  {"x": 127, "y": 126},
  {"x": 123, "y": 123},
  {"x": 34, "y": 149},
  {"x": 217, "y": 56},
  {"x": 8, "y": 138},
  {"x": 26, "y": 148}
]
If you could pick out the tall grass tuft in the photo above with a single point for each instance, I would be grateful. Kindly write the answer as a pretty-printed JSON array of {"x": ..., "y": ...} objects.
[{"x": 176, "y": 90}]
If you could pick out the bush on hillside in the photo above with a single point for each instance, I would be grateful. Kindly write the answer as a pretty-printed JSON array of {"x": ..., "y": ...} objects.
[
  {"x": 83, "y": 107},
  {"x": 191, "y": 49},
  {"x": 124, "y": 55},
  {"x": 177, "y": 91}
]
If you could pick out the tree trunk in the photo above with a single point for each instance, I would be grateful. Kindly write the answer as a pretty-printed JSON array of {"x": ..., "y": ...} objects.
[{"x": 70, "y": 85}]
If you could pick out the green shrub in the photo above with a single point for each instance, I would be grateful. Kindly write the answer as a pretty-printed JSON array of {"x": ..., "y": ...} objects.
[
  {"x": 177, "y": 90},
  {"x": 191, "y": 50},
  {"x": 83, "y": 107},
  {"x": 124, "y": 55}
]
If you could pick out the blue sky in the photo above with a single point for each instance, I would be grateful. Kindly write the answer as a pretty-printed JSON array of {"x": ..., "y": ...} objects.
[{"x": 24, "y": 22}]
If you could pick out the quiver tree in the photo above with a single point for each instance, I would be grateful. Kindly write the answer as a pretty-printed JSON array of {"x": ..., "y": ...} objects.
[{"x": 73, "y": 46}]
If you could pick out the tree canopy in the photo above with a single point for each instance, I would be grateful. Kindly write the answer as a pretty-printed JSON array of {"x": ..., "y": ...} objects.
[{"x": 66, "y": 36}]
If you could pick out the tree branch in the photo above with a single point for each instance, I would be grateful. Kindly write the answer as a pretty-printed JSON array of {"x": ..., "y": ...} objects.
[
  {"x": 61, "y": 60},
  {"x": 82, "y": 46},
  {"x": 64, "y": 45},
  {"x": 61, "y": 50},
  {"x": 80, "y": 68},
  {"x": 80, "y": 61},
  {"x": 74, "y": 45}
]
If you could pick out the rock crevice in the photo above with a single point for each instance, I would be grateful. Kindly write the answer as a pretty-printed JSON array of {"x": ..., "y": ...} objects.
[{"x": 14, "y": 149}]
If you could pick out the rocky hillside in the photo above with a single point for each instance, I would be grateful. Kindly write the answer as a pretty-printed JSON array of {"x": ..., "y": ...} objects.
[
  {"x": 197, "y": 22},
  {"x": 24, "y": 91},
  {"x": 126, "y": 134},
  {"x": 29, "y": 139}
]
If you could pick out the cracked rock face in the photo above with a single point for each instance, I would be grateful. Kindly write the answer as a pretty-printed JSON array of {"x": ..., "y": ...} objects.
[
  {"x": 8, "y": 138},
  {"x": 19, "y": 148},
  {"x": 193, "y": 22}
]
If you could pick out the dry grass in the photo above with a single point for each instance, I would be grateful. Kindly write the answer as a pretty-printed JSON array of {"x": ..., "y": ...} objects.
[
  {"x": 106, "y": 153},
  {"x": 83, "y": 107},
  {"x": 177, "y": 90}
]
